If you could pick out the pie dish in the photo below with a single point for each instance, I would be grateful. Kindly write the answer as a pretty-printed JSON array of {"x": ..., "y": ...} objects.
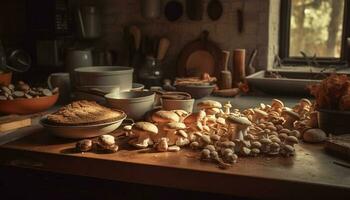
[
  {"x": 83, "y": 119},
  {"x": 82, "y": 131}
]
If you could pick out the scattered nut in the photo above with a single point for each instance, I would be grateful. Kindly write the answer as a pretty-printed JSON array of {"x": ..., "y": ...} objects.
[
  {"x": 174, "y": 148},
  {"x": 245, "y": 151},
  {"x": 47, "y": 92},
  {"x": 162, "y": 145},
  {"x": 255, "y": 152}
]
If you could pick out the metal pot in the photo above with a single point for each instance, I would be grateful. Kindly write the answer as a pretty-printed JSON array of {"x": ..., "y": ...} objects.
[
  {"x": 150, "y": 9},
  {"x": 105, "y": 76},
  {"x": 89, "y": 22}
]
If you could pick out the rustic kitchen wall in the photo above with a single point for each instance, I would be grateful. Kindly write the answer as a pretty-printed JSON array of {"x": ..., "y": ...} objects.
[
  {"x": 12, "y": 22},
  {"x": 261, "y": 22},
  {"x": 256, "y": 34}
]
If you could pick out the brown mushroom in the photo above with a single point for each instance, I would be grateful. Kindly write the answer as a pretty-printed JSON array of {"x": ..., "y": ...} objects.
[
  {"x": 287, "y": 150},
  {"x": 259, "y": 116},
  {"x": 162, "y": 145},
  {"x": 206, "y": 104},
  {"x": 144, "y": 131},
  {"x": 290, "y": 118},
  {"x": 242, "y": 124},
  {"x": 277, "y": 105},
  {"x": 171, "y": 131},
  {"x": 181, "y": 113},
  {"x": 291, "y": 140},
  {"x": 212, "y": 111},
  {"x": 227, "y": 108},
  {"x": 163, "y": 116}
]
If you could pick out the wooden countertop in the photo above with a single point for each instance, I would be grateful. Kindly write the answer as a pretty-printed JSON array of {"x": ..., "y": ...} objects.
[{"x": 311, "y": 173}]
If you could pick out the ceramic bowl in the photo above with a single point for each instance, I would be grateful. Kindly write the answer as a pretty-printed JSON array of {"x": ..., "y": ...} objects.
[
  {"x": 177, "y": 104},
  {"x": 82, "y": 131},
  {"x": 196, "y": 91},
  {"x": 116, "y": 76},
  {"x": 134, "y": 103},
  {"x": 105, "y": 89},
  {"x": 334, "y": 122},
  {"x": 110, "y": 88},
  {"x": 137, "y": 87},
  {"x": 27, "y": 106}
]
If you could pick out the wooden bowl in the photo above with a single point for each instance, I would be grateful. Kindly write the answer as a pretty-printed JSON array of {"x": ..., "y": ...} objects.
[
  {"x": 27, "y": 106},
  {"x": 5, "y": 78},
  {"x": 196, "y": 91},
  {"x": 334, "y": 122}
]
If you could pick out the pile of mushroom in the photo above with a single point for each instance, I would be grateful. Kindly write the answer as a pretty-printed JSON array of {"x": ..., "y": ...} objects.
[
  {"x": 103, "y": 143},
  {"x": 222, "y": 133}
]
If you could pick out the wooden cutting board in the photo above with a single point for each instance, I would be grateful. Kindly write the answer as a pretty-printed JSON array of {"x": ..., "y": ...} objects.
[
  {"x": 200, "y": 56},
  {"x": 11, "y": 122},
  {"x": 13, "y": 127},
  {"x": 339, "y": 145}
]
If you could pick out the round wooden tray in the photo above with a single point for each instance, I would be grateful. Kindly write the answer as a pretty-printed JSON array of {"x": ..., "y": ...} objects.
[{"x": 200, "y": 56}]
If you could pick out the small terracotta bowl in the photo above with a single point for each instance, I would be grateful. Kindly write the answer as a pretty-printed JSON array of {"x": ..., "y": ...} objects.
[
  {"x": 5, "y": 78},
  {"x": 196, "y": 91},
  {"x": 27, "y": 106}
]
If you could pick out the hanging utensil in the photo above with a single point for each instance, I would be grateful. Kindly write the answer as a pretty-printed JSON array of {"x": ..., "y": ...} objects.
[
  {"x": 89, "y": 22},
  {"x": 125, "y": 57},
  {"x": 225, "y": 81},
  {"x": 240, "y": 18},
  {"x": 173, "y": 10},
  {"x": 155, "y": 45},
  {"x": 136, "y": 35},
  {"x": 194, "y": 9},
  {"x": 163, "y": 47},
  {"x": 238, "y": 66},
  {"x": 150, "y": 9},
  {"x": 3, "y": 64},
  {"x": 19, "y": 60},
  {"x": 214, "y": 9},
  {"x": 250, "y": 68}
]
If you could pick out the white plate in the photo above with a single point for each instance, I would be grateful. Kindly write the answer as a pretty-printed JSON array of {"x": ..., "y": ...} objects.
[{"x": 289, "y": 86}]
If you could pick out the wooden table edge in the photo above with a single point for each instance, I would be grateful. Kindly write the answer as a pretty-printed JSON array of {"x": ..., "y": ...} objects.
[{"x": 186, "y": 179}]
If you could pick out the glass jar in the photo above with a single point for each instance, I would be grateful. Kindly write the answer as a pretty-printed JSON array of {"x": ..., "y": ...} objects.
[{"x": 150, "y": 72}]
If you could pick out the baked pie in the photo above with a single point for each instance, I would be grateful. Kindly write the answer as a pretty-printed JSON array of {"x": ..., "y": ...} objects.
[{"x": 83, "y": 113}]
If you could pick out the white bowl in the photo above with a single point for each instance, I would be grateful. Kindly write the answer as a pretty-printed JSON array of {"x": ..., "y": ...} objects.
[
  {"x": 111, "y": 88},
  {"x": 106, "y": 89},
  {"x": 104, "y": 76},
  {"x": 134, "y": 103}
]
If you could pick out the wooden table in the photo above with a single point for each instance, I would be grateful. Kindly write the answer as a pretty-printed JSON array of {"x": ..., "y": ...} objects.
[{"x": 311, "y": 173}]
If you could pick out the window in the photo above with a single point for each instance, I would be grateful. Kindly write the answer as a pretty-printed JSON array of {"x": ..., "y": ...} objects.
[{"x": 314, "y": 28}]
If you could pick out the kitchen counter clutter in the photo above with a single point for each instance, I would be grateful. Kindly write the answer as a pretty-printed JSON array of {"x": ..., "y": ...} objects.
[{"x": 311, "y": 172}]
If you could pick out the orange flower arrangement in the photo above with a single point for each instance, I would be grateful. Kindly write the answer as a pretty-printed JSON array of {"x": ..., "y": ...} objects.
[{"x": 332, "y": 93}]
